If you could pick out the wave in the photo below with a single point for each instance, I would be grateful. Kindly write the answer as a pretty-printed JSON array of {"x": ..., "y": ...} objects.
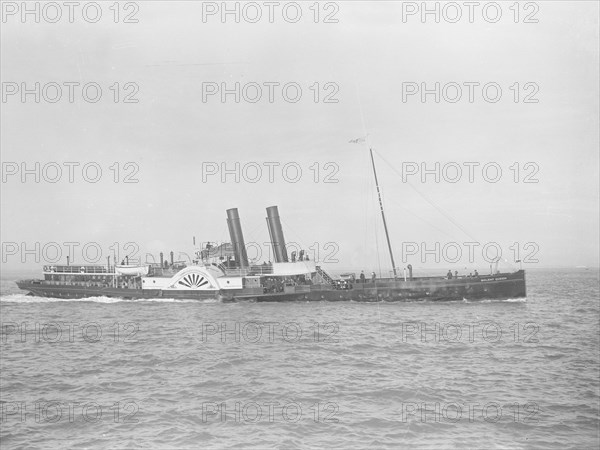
[
  {"x": 497, "y": 300},
  {"x": 434, "y": 301},
  {"x": 23, "y": 298}
]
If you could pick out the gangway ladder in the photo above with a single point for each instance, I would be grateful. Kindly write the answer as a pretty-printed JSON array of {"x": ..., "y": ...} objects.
[{"x": 325, "y": 276}]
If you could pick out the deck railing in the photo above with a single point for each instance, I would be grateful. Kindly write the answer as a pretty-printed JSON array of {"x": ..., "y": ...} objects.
[
  {"x": 78, "y": 269},
  {"x": 266, "y": 269}
]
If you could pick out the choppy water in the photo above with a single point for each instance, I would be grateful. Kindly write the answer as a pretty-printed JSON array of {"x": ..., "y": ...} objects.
[{"x": 321, "y": 375}]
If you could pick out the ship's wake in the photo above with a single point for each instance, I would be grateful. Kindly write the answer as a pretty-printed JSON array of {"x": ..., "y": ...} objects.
[
  {"x": 498, "y": 300},
  {"x": 23, "y": 298},
  {"x": 439, "y": 301}
]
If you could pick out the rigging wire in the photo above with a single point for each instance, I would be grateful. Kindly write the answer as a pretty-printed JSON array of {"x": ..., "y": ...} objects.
[
  {"x": 362, "y": 118},
  {"x": 431, "y": 202},
  {"x": 439, "y": 209},
  {"x": 300, "y": 241},
  {"x": 397, "y": 203},
  {"x": 377, "y": 245},
  {"x": 369, "y": 186}
]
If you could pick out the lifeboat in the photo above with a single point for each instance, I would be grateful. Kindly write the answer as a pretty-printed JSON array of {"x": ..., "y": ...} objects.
[{"x": 132, "y": 270}]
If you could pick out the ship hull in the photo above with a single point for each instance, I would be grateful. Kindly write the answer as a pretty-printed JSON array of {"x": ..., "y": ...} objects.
[
  {"x": 78, "y": 292},
  {"x": 500, "y": 286},
  {"x": 505, "y": 286}
]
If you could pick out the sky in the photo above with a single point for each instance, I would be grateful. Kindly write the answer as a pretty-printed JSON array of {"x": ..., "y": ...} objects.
[{"x": 163, "y": 144}]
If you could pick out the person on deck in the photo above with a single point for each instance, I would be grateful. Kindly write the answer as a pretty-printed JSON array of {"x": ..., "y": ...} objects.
[
  {"x": 449, "y": 274},
  {"x": 373, "y": 276},
  {"x": 362, "y": 276}
]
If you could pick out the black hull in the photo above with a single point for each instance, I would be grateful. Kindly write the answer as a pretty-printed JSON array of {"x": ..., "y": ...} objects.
[{"x": 500, "y": 286}]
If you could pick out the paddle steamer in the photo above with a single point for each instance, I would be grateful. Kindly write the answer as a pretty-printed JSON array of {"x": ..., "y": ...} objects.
[{"x": 224, "y": 272}]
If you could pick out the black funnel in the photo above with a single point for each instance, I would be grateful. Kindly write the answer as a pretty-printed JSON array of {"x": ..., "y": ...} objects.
[
  {"x": 237, "y": 238},
  {"x": 276, "y": 234}
]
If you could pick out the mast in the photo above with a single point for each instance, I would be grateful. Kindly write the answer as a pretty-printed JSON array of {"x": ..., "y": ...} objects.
[{"x": 387, "y": 236}]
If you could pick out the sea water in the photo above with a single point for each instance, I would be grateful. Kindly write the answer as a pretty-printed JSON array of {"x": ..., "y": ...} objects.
[{"x": 110, "y": 373}]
